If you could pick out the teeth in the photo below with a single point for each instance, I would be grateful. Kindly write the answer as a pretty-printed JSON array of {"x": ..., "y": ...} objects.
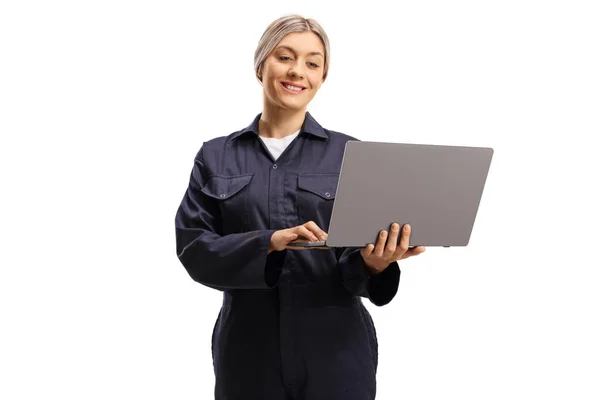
[{"x": 297, "y": 89}]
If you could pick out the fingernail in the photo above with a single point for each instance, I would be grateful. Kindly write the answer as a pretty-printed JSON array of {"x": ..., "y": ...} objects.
[
  {"x": 383, "y": 234},
  {"x": 395, "y": 226},
  {"x": 406, "y": 228}
]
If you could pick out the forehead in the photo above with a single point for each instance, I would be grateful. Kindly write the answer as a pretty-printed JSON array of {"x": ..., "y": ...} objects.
[{"x": 302, "y": 43}]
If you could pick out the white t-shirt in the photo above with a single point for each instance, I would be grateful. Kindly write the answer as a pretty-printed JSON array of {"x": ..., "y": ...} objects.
[{"x": 277, "y": 146}]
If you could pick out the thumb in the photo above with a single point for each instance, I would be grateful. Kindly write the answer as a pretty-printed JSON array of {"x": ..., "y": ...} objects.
[{"x": 292, "y": 236}]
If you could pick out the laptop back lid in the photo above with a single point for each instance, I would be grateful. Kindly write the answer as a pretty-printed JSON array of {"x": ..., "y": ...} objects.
[{"x": 435, "y": 188}]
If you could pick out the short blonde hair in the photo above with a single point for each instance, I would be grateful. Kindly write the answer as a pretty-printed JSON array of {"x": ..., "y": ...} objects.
[{"x": 281, "y": 27}]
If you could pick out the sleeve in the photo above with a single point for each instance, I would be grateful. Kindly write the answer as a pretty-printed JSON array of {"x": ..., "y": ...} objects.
[
  {"x": 222, "y": 262},
  {"x": 379, "y": 289}
]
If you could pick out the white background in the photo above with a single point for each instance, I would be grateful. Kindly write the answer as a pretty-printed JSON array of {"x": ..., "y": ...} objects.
[{"x": 103, "y": 106}]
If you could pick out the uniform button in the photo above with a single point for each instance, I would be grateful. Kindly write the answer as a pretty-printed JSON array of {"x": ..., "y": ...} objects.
[
  {"x": 274, "y": 166},
  {"x": 223, "y": 195},
  {"x": 327, "y": 194}
]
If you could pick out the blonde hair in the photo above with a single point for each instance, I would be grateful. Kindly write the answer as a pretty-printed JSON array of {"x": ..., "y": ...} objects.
[{"x": 281, "y": 27}]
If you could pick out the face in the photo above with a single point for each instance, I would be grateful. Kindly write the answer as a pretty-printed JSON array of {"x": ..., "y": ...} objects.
[{"x": 293, "y": 72}]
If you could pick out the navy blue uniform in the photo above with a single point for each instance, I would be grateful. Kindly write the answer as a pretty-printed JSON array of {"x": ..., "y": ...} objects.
[{"x": 292, "y": 324}]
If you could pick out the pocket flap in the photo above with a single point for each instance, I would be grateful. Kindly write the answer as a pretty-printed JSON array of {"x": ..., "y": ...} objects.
[
  {"x": 323, "y": 185},
  {"x": 223, "y": 187}
]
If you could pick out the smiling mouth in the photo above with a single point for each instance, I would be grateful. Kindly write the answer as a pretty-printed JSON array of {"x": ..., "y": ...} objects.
[{"x": 292, "y": 88}]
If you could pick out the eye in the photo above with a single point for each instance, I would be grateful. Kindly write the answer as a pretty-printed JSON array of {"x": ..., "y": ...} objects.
[
  {"x": 285, "y": 58},
  {"x": 313, "y": 65}
]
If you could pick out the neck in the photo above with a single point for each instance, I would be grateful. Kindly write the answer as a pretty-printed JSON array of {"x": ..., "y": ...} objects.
[{"x": 277, "y": 123}]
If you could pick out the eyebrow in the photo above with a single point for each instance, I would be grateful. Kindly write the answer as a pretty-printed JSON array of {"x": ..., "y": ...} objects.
[{"x": 313, "y": 53}]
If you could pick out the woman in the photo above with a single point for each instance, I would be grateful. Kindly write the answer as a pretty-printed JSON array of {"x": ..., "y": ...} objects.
[{"x": 292, "y": 324}]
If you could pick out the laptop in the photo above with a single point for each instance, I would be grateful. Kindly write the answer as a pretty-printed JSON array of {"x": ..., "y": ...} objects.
[{"x": 436, "y": 189}]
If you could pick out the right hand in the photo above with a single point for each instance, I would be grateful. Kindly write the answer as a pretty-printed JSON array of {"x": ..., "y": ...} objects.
[{"x": 309, "y": 231}]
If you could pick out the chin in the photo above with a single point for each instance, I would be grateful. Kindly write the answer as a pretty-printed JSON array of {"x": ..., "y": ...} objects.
[
  {"x": 293, "y": 103},
  {"x": 294, "y": 107}
]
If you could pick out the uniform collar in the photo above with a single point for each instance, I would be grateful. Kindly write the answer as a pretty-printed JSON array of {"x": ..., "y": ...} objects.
[{"x": 310, "y": 126}]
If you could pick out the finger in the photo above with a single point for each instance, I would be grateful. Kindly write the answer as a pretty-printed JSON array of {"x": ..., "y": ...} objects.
[
  {"x": 404, "y": 241},
  {"x": 314, "y": 228},
  {"x": 304, "y": 231},
  {"x": 415, "y": 251},
  {"x": 392, "y": 241},
  {"x": 367, "y": 250},
  {"x": 380, "y": 243}
]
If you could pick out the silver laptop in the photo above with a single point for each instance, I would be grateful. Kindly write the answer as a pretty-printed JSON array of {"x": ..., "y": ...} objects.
[{"x": 434, "y": 188}]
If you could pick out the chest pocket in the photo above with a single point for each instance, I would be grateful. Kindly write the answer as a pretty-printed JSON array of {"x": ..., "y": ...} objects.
[
  {"x": 231, "y": 193},
  {"x": 315, "y": 196}
]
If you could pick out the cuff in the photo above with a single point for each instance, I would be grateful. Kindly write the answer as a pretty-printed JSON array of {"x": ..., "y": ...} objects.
[
  {"x": 379, "y": 289},
  {"x": 382, "y": 288},
  {"x": 273, "y": 267}
]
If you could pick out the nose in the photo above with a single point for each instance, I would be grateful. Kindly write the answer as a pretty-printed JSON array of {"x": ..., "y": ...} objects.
[{"x": 296, "y": 70}]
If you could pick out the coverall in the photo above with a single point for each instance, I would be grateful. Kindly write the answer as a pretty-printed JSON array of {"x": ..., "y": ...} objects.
[{"x": 292, "y": 323}]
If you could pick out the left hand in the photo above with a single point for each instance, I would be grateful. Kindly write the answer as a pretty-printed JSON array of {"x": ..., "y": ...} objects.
[{"x": 377, "y": 257}]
